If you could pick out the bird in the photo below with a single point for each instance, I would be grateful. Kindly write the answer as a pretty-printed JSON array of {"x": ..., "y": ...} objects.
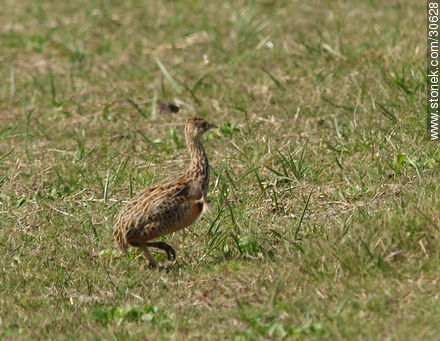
[{"x": 169, "y": 205}]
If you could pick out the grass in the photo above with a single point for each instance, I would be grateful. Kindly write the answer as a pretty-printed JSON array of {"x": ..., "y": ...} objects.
[{"x": 324, "y": 220}]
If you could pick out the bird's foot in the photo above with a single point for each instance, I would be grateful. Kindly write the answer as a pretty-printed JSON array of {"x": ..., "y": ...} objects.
[{"x": 171, "y": 254}]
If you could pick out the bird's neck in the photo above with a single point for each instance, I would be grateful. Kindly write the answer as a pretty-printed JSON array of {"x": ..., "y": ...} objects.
[{"x": 199, "y": 168}]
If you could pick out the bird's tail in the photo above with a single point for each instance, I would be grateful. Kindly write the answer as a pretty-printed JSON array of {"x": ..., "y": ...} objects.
[
  {"x": 120, "y": 240},
  {"x": 206, "y": 206}
]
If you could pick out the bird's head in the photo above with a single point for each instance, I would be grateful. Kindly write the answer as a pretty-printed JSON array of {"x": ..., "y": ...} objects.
[{"x": 196, "y": 127}]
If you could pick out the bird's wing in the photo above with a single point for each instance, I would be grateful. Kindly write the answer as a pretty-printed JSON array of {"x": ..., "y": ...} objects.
[
  {"x": 167, "y": 193},
  {"x": 163, "y": 199},
  {"x": 162, "y": 191},
  {"x": 146, "y": 201}
]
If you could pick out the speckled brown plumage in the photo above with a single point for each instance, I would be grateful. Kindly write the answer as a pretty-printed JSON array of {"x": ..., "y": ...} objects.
[{"x": 170, "y": 205}]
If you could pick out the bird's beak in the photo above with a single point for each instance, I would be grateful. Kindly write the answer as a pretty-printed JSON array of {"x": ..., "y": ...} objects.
[{"x": 212, "y": 126}]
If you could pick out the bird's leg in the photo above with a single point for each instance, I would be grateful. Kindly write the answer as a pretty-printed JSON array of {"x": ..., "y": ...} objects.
[
  {"x": 147, "y": 254},
  {"x": 171, "y": 254}
]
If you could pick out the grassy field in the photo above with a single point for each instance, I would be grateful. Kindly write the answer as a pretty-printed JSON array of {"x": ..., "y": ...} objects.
[{"x": 324, "y": 195}]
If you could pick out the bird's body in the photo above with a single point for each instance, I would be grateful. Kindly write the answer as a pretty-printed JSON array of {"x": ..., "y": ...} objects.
[{"x": 171, "y": 204}]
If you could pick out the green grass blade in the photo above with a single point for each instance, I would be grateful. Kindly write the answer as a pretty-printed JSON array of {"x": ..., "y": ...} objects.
[
  {"x": 298, "y": 227},
  {"x": 162, "y": 68}
]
